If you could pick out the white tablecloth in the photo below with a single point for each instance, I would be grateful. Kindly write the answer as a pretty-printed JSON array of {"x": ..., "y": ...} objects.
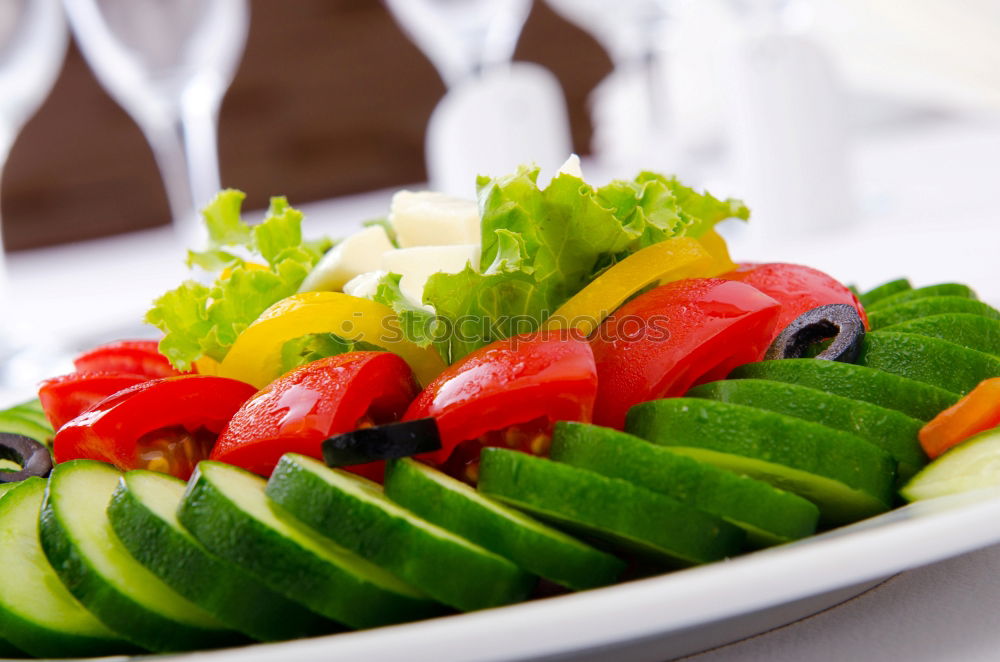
[{"x": 946, "y": 611}]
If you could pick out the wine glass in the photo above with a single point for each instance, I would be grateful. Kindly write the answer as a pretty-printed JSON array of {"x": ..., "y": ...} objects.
[
  {"x": 631, "y": 111},
  {"x": 496, "y": 114},
  {"x": 168, "y": 63},
  {"x": 33, "y": 41},
  {"x": 463, "y": 38}
]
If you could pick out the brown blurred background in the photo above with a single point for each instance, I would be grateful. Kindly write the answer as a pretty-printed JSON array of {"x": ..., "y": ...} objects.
[{"x": 331, "y": 98}]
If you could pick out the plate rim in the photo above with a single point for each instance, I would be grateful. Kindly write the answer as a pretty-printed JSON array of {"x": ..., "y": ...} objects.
[{"x": 902, "y": 539}]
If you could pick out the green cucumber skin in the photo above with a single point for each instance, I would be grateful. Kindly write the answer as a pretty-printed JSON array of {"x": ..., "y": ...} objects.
[
  {"x": 815, "y": 449},
  {"x": 940, "y": 290},
  {"x": 24, "y": 633},
  {"x": 7, "y": 650},
  {"x": 233, "y": 596},
  {"x": 876, "y": 294},
  {"x": 32, "y": 410},
  {"x": 467, "y": 578},
  {"x": 930, "y": 360},
  {"x": 536, "y": 547},
  {"x": 134, "y": 621},
  {"x": 15, "y": 423},
  {"x": 219, "y": 525},
  {"x": 623, "y": 515},
  {"x": 913, "y": 398},
  {"x": 970, "y": 331},
  {"x": 904, "y": 312},
  {"x": 890, "y": 430},
  {"x": 770, "y": 516}
]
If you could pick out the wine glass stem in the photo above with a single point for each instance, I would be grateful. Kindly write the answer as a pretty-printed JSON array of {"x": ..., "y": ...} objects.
[
  {"x": 168, "y": 143},
  {"x": 187, "y": 156}
]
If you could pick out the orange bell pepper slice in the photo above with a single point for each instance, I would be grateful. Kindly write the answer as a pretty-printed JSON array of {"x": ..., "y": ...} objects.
[{"x": 976, "y": 412}]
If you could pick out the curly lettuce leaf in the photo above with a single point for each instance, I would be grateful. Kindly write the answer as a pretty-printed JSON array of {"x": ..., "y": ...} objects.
[
  {"x": 315, "y": 346},
  {"x": 417, "y": 323},
  {"x": 540, "y": 246},
  {"x": 204, "y": 320}
]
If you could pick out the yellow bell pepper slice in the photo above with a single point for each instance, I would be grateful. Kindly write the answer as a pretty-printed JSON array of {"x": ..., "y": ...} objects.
[
  {"x": 664, "y": 262},
  {"x": 255, "y": 357},
  {"x": 712, "y": 242},
  {"x": 206, "y": 365}
]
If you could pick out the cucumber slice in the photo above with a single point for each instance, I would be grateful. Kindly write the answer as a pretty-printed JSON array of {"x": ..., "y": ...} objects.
[
  {"x": 930, "y": 360},
  {"x": 903, "y": 312},
  {"x": 94, "y": 565},
  {"x": 890, "y": 430},
  {"x": 143, "y": 515},
  {"x": 16, "y": 423},
  {"x": 355, "y": 513},
  {"x": 940, "y": 290},
  {"x": 37, "y": 613},
  {"x": 769, "y": 516},
  {"x": 965, "y": 329},
  {"x": 917, "y": 399},
  {"x": 624, "y": 515},
  {"x": 847, "y": 477},
  {"x": 536, "y": 547},
  {"x": 874, "y": 295},
  {"x": 971, "y": 465},
  {"x": 32, "y": 410},
  {"x": 7, "y": 650},
  {"x": 226, "y": 510}
]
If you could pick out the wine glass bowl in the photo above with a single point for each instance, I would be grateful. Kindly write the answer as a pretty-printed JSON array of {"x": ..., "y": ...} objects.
[
  {"x": 168, "y": 63},
  {"x": 33, "y": 44},
  {"x": 462, "y": 38}
]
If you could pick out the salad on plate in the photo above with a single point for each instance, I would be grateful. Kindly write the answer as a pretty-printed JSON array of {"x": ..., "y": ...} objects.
[{"x": 466, "y": 405}]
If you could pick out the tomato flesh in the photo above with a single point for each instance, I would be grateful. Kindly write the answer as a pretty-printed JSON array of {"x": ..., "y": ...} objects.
[
  {"x": 534, "y": 437},
  {"x": 158, "y": 413},
  {"x": 296, "y": 412},
  {"x": 675, "y": 336},
  {"x": 508, "y": 394},
  {"x": 173, "y": 450},
  {"x": 796, "y": 287},
  {"x": 136, "y": 357},
  {"x": 64, "y": 398}
]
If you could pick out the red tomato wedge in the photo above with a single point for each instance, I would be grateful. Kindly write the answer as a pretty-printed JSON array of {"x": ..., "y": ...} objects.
[
  {"x": 675, "y": 336},
  {"x": 297, "y": 411},
  {"x": 64, "y": 398},
  {"x": 508, "y": 394},
  {"x": 136, "y": 357},
  {"x": 796, "y": 287},
  {"x": 165, "y": 425}
]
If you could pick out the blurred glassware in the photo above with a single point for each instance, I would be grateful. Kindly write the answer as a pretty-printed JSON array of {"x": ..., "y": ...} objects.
[
  {"x": 496, "y": 114},
  {"x": 631, "y": 108},
  {"x": 33, "y": 41},
  {"x": 789, "y": 125},
  {"x": 462, "y": 38},
  {"x": 168, "y": 63}
]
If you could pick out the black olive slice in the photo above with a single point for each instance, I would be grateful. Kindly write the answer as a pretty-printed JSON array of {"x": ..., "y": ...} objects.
[
  {"x": 382, "y": 442},
  {"x": 33, "y": 457},
  {"x": 838, "y": 321}
]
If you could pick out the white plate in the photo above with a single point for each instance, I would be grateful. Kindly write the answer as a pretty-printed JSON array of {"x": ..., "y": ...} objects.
[{"x": 678, "y": 613}]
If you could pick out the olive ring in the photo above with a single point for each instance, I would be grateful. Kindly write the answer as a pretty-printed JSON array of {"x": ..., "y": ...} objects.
[
  {"x": 839, "y": 321},
  {"x": 33, "y": 457}
]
